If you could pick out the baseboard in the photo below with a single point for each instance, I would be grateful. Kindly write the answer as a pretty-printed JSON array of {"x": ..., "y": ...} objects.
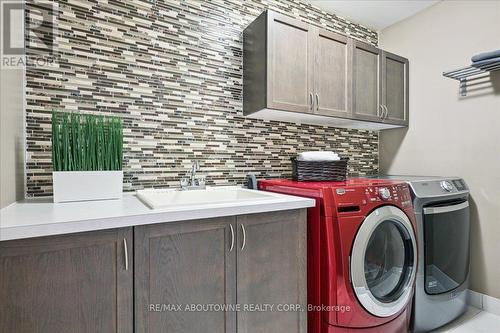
[
  {"x": 475, "y": 299},
  {"x": 483, "y": 302}
]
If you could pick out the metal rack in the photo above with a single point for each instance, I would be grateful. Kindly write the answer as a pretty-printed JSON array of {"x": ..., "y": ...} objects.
[{"x": 464, "y": 74}]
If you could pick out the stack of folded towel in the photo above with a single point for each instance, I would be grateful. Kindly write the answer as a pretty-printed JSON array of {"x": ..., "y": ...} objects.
[
  {"x": 318, "y": 156},
  {"x": 483, "y": 60}
]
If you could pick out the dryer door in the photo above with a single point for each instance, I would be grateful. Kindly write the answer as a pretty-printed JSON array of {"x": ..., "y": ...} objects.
[{"x": 384, "y": 261}]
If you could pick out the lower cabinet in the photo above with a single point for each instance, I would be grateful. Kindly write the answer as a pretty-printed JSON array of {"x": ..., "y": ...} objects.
[
  {"x": 160, "y": 278},
  {"x": 190, "y": 263},
  {"x": 79, "y": 283},
  {"x": 272, "y": 271}
]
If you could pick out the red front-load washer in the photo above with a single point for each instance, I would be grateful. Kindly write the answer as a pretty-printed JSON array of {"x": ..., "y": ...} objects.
[{"x": 362, "y": 254}]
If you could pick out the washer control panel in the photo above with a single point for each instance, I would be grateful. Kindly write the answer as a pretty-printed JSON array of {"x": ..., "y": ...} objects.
[
  {"x": 398, "y": 193},
  {"x": 384, "y": 193}
]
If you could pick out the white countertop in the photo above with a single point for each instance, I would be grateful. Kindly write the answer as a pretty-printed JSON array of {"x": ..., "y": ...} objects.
[{"x": 42, "y": 217}]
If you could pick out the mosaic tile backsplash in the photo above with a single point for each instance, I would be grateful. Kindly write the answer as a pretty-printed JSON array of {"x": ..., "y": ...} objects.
[{"x": 173, "y": 71}]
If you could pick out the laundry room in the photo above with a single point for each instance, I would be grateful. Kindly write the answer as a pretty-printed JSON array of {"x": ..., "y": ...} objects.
[{"x": 250, "y": 166}]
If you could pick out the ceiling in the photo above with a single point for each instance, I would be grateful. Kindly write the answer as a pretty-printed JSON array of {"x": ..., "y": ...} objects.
[{"x": 376, "y": 14}]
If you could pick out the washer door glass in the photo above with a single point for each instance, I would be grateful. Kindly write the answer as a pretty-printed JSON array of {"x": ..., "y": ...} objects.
[
  {"x": 388, "y": 258},
  {"x": 383, "y": 261}
]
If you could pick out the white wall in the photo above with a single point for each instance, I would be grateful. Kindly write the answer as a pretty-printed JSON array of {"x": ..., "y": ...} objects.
[
  {"x": 11, "y": 137},
  {"x": 11, "y": 129},
  {"x": 449, "y": 134}
]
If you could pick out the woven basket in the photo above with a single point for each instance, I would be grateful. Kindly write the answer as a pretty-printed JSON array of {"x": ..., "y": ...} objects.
[{"x": 319, "y": 170}]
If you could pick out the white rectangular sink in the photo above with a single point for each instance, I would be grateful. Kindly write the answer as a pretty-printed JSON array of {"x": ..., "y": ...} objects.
[{"x": 171, "y": 198}]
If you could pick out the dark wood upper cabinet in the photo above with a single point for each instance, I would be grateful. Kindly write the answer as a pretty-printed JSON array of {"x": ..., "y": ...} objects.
[
  {"x": 181, "y": 264},
  {"x": 272, "y": 270},
  {"x": 332, "y": 79},
  {"x": 293, "y": 71},
  {"x": 279, "y": 62},
  {"x": 380, "y": 85},
  {"x": 290, "y": 64},
  {"x": 366, "y": 87},
  {"x": 71, "y": 283},
  {"x": 395, "y": 88}
]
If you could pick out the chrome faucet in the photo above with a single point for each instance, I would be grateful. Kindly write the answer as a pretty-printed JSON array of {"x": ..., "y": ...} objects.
[
  {"x": 192, "y": 182},
  {"x": 195, "y": 166}
]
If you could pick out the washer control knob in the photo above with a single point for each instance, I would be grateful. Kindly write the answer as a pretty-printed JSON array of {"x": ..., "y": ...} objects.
[
  {"x": 446, "y": 185},
  {"x": 384, "y": 193}
]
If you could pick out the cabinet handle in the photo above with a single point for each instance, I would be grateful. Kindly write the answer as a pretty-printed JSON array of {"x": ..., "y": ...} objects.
[
  {"x": 311, "y": 101},
  {"x": 317, "y": 102},
  {"x": 386, "y": 111},
  {"x": 380, "y": 114},
  {"x": 125, "y": 251},
  {"x": 244, "y": 237},
  {"x": 232, "y": 237}
]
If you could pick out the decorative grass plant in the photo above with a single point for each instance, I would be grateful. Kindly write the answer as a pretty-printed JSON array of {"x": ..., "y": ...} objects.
[{"x": 86, "y": 142}]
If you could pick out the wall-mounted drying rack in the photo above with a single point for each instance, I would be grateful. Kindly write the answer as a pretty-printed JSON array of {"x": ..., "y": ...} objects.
[{"x": 463, "y": 74}]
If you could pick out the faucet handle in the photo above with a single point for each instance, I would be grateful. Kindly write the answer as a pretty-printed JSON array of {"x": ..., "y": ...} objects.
[
  {"x": 184, "y": 182},
  {"x": 202, "y": 180}
]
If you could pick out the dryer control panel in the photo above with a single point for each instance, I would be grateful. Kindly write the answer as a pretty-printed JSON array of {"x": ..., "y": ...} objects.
[{"x": 439, "y": 187}]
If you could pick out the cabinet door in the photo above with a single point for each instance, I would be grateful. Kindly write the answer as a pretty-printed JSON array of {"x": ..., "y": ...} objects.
[
  {"x": 71, "y": 283},
  {"x": 272, "y": 270},
  {"x": 366, "y": 82},
  {"x": 184, "y": 264},
  {"x": 395, "y": 88},
  {"x": 332, "y": 74},
  {"x": 290, "y": 64}
]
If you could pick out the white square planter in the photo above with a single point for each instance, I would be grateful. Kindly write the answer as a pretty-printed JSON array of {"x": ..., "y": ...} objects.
[{"x": 87, "y": 185}]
